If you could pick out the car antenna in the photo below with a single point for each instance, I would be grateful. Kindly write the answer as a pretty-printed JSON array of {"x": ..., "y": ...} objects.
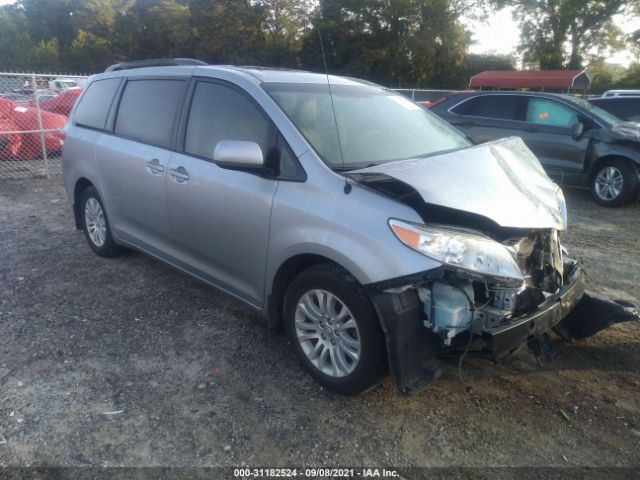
[{"x": 347, "y": 185}]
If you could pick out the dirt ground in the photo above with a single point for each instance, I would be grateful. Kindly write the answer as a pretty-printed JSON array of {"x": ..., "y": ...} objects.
[{"x": 201, "y": 382}]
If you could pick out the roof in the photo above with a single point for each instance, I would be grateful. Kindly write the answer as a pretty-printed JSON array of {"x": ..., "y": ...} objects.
[
  {"x": 265, "y": 74},
  {"x": 575, "y": 79},
  {"x": 255, "y": 74}
]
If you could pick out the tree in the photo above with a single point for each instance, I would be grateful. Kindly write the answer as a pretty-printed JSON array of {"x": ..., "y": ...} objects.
[
  {"x": 47, "y": 54},
  {"x": 408, "y": 43},
  {"x": 490, "y": 61},
  {"x": 16, "y": 45},
  {"x": 557, "y": 34},
  {"x": 284, "y": 23},
  {"x": 228, "y": 31}
]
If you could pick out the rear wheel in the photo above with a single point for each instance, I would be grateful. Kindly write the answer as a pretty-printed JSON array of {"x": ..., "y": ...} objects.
[
  {"x": 614, "y": 183},
  {"x": 96, "y": 225},
  {"x": 334, "y": 330}
]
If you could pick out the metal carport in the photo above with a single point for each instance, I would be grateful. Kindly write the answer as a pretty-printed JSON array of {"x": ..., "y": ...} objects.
[{"x": 540, "y": 79}]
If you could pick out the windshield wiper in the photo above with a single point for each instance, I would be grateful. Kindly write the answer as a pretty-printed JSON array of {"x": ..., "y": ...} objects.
[{"x": 357, "y": 166}]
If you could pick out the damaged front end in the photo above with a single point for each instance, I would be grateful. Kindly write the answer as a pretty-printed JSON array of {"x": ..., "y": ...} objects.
[
  {"x": 434, "y": 314},
  {"x": 505, "y": 280}
]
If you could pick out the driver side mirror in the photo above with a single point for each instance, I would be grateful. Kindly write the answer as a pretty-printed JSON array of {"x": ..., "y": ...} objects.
[
  {"x": 577, "y": 130},
  {"x": 238, "y": 153}
]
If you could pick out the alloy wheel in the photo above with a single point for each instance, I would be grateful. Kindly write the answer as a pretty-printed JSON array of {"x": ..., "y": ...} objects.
[
  {"x": 327, "y": 333},
  {"x": 609, "y": 183},
  {"x": 95, "y": 221}
]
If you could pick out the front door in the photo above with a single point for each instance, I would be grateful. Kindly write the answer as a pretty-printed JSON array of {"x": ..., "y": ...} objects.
[
  {"x": 548, "y": 133},
  {"x": 219, "y": 217}
]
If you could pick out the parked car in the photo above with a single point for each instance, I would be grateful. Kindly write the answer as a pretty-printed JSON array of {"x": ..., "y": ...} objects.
[
  {"x": 62, "y": 84},
  {"x": 371, "y": 229},
  {"x": 42, "y": 93},
  {"x": 26, "y": 119},
  {"x": 576, "y": 142},
  {"x": 19, "y": 131},
  {"x": 10, "y": 142},
  {"x": 15, "y": 97},
  {"x": 625, "y": 108},
  {"x": 63, "y": 103},
  {"x": 621, "y": 93}
]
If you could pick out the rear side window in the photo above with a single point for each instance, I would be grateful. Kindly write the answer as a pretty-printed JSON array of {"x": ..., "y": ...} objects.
[
  {"x": 543, "y": 111},
  {"x": 148, "y": 110},
  {"x": 94, "y": 105},
  {"x": 501, "y": 107},
  {"x": 220, "y": 113}
]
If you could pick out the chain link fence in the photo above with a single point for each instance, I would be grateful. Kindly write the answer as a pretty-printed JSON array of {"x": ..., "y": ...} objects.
[{"x": 33, "y": 110}]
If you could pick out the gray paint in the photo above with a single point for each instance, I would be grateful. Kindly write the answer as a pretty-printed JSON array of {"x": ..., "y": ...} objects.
[
  {"x": 234, "y": 229},
  {"x": 500, "y": 180},
  {"x": 569, "y": 160}
]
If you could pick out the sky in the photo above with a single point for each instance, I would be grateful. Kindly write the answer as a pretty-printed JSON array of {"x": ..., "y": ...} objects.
[{"x": 500, "y": 34}]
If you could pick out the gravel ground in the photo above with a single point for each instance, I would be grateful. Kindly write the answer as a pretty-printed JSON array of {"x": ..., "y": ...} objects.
[{"x": 201, "y": 382}]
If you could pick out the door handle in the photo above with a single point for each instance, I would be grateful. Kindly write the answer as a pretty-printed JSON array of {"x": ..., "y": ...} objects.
[
  {"x": 154, "y": 166},
  {"x": 179, "y": 174}
]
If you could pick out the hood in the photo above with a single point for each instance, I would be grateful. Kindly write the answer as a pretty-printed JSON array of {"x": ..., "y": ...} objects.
[
  {"x": 500, "y": 180},
  {"x": 629, "y": 131}
]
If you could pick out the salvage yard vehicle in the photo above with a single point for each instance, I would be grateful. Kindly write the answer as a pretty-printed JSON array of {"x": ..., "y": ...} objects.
[
  {"x": 576, "y": 142},
  {"x": 626, "y": 108},
  {"x": 374, "y": 232}
]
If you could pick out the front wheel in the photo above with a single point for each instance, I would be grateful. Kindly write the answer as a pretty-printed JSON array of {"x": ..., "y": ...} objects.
[
  {"x": 615, "y": 182},
  {"x": 334, "y": 330}
]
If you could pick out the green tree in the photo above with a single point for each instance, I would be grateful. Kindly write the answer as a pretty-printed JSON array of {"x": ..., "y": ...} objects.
[
  {"x": 490, "y": 61},
  {"x": 16, "y": 45},
  {"x": 46, "y": 55},
  {"x": 228, "y": 31},
  {"x": 557, "y": 34},
  {"x": 401, "y": 43}
]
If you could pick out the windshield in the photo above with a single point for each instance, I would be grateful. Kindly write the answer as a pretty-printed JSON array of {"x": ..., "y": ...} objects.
[
  {"x": 602, "y": 115},
  {"x": 373, "y": 125}
]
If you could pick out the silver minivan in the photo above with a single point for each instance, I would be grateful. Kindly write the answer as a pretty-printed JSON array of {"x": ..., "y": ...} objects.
[{"x": 375, "y": 233}]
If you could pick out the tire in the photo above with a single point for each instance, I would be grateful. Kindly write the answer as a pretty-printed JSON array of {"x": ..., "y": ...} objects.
[
  {"x": 352, "y": 337},
  {"x": 614, "y": 183},
  {"x": 96, "y": 225}
]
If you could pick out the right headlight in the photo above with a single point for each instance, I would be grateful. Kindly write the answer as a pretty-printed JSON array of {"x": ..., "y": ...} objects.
[{"x": 459, "y": 249}]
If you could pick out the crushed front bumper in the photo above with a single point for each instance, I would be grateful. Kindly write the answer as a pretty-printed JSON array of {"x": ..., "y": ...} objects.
[
  {"x": 504, "y": 340},
  {"x": 414, "y": 351}
]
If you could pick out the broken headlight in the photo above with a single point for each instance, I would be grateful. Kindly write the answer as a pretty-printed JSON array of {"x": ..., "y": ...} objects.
[
  {"x": 464, "y": 250},
  {"x": 562, "y": 206}
]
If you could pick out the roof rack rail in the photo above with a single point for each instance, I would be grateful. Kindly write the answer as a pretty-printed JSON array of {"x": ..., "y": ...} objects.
[{"x": 159, "y": 62}]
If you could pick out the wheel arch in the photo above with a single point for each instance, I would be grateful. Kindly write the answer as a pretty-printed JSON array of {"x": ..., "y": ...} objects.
[
  {"x": 595, "y": 164},
  {"x": 81, "y": 185},
  {"x": 287, "y": 271}
]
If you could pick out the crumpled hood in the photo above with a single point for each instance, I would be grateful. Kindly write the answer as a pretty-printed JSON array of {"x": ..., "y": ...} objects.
[
  {"x": 500, "y": 180},
  {"x": 625, "y": 131}
]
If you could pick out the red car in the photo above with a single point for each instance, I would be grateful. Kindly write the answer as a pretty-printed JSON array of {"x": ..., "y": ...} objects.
[
  {"x": 63, "y": 103},
  {"x": 23, "y": 119}
]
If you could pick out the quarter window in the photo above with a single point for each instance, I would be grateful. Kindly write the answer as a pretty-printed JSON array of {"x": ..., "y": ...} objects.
[
  {"x": 148, "y": 110},
  {"x": 542, "y": 111},
  {"x": 94, "y": 105}
]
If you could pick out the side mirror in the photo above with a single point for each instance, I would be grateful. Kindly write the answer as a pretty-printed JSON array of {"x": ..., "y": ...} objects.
[
  {"x": 577, "y": 130},
  {"x": 238, "y": 153}
]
